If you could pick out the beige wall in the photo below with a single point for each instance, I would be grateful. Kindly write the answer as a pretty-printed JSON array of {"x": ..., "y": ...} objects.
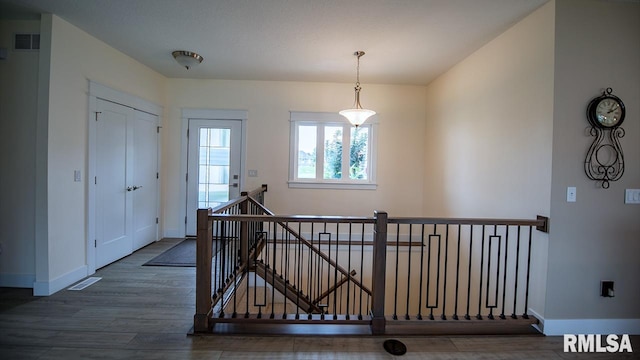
[
  {"x": 76, "y": 58},
  {"x": 18, "y": 99},
  {"x": 598, "y": 237},
  {"x": 401, "y": 112},
  {"x": 489, "y": 130}
]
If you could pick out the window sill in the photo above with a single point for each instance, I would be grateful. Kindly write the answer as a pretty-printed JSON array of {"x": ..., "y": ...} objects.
[{"x": 329, "y": 185}]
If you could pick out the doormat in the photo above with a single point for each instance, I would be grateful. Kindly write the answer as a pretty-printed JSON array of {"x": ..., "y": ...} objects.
[
  {"x": 85, "y": 283},
  {"x": 182, "y": 254}
]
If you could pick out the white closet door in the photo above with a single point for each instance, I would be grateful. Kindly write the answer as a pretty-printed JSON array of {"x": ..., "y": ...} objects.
[
  {"x": 145, "y": 179},
  {"x": 114, "y": 238},
  {"x": 126, "y": 182}
]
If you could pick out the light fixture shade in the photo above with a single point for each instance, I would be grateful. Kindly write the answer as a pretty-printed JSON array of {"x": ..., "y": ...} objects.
[
  {"x": 188, "y": 59},
  {"x": 357, "y": 116}
]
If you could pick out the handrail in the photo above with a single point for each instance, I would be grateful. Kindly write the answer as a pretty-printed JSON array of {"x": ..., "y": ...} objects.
[
  {"x": 295, "y": 218},
  {"x": 262, "y": 189},
  {"x": 227, "y": 205},
  {"x": 465, "y": 221},
  {"x": 245, "y": 196}
]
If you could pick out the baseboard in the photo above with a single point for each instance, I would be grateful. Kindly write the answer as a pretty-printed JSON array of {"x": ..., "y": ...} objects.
[
  {"x": 556, "y": 327},
  {"x": 46, "y": 288},
  {"x": 17, "y": 280}
]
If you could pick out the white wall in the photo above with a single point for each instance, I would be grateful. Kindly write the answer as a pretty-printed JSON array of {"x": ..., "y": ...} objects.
[
  {"x": 598, "y": 237},
  {"x": 489, "y": 130},
  {"x": 18, "y": 100},
  {"x": 76, "y": 58},
  {"x": 401, "y": 112}
]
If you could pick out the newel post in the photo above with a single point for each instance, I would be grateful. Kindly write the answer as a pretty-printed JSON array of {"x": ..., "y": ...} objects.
[
  {"x": 244, "y": 231},
  {"x": 379, "y": 272},
  {"x": 203, "y": 272}
]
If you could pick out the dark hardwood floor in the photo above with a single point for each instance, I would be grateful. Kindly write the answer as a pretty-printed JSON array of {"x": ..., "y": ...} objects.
[{"x": 145, "y": 312}]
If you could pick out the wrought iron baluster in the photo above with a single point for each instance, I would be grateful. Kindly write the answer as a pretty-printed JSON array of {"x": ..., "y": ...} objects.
[
  {"x": 335, "y": 273},
  {"x": 526, "y": 295},
  {"x": 504, "y": 276},
  {"x": 406, "y": 315},
  {"x": 446, "y": 260},
  {"x": 455, "y": 311},
  {"x": 497, "y": 278},
  {"x": 479, "y": 315},
  {"x": 349, "y": 273},
  {"x": 298, "y": 285},
  {"x": 422, "y": 249},
  {"x": 361, "y": 271},
  {"x": 515, "y": 287},
  {"x": 466, "y": 315},
  {"x": 395, "y": 292},
  {"x": 273, "y": 270}
]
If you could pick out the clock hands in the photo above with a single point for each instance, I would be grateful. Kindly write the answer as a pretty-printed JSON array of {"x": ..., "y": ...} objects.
[{"x": 613, "y": 108}]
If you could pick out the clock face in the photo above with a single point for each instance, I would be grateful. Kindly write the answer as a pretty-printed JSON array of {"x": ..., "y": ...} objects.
[{"x": 609, "y": 112}]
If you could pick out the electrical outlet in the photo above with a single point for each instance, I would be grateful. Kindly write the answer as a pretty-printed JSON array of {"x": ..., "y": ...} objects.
[
  {"x": 606, "y": 288},
  {"x": 253, "y": 173}
]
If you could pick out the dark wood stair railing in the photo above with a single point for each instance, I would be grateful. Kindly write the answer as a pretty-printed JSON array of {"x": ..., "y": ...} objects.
[{"x": 491, "y": 275}]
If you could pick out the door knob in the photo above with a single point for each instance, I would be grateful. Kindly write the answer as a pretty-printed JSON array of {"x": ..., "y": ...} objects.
[
  {"x": 130, "y": 188},
  {"x": 137, "y": 187}
]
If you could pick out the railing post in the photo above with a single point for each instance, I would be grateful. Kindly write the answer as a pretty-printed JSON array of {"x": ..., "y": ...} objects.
[
  {"x": 244, "y": 231},
  {"x": 379, "y": 273},
  {"x": 203, "y": 271}
]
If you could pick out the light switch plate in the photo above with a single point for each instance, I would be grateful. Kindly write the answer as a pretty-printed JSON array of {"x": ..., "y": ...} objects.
[
  {"x": 571, "y": 194},
  {"x": 632, "y": 196},
  {"x": 77, "y": 176}
]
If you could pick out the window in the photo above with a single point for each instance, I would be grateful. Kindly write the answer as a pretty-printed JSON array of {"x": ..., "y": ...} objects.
[{"x": 327, "y": 152}]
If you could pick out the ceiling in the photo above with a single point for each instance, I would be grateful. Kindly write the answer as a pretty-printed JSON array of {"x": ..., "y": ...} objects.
[{"x": 406, "y": 41}]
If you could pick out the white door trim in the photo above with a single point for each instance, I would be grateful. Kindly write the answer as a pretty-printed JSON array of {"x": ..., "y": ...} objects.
[
  {"x": 204, "y": 114},
  {"x": 100, "y": 91}
]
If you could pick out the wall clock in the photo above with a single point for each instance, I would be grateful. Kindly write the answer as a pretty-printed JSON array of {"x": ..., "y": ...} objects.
[
  {"x": 605, "y": 160},
  {"x": 606, "y": 110}
]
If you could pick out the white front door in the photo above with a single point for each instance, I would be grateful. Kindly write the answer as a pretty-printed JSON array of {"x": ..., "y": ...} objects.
[
  {"x": 213, "y": 165},
  {"x": 126, "y": 181}
]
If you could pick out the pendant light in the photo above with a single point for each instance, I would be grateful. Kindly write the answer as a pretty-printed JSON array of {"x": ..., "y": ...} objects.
[
  {"x": 357, "y": 115},
  {"x": 187, "y": 59}
]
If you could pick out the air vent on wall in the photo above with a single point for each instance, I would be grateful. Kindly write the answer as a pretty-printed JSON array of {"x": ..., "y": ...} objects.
[{"x": 26, "y": 42}]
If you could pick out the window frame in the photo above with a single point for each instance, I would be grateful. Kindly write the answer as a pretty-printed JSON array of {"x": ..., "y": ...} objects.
[{"x": 322, "y": 119}]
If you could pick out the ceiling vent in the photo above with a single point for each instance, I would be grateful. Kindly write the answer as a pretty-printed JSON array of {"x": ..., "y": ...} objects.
[{"x": 26, "y": 42}]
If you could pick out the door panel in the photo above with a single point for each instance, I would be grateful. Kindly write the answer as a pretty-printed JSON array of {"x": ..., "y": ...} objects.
[
  {"x": 113, "y": 205},
  {"x": 145, "y": 181},
  {"x": 214, "y": 156}
]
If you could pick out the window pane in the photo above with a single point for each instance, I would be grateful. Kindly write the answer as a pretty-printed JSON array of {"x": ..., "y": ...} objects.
[
  {"x": 213, "y": 169},
  {"x": 333, "y": 152},
  {"x": 359, "y": 153},
  {"x": 307, "y": 137}
]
